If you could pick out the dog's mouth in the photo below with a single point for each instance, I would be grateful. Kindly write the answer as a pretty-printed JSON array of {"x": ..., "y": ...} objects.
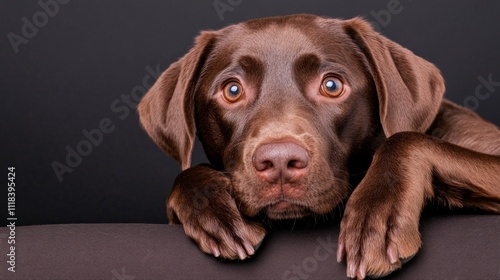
[{"x": 284, "y": 209}]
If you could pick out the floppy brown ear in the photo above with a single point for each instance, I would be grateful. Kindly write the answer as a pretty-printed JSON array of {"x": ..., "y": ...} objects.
[
  {"x": 410, "y": 89},
  {"x": 167, "y": 110}
]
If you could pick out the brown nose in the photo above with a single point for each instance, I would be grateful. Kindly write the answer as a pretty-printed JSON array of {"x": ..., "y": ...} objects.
[{"x": 281, "y": 162}]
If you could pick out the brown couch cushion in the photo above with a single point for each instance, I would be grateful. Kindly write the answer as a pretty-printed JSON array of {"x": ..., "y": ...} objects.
[{"x": 455, "y": 247}]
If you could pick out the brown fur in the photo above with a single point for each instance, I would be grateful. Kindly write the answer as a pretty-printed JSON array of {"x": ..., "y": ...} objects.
[{"x": 391, "y": 122}]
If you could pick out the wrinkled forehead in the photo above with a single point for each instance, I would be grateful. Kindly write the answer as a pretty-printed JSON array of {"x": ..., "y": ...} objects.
[{"x": 277, "y": 46}]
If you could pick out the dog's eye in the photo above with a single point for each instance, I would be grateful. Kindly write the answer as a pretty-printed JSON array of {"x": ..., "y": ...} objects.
[
  {"x": 332, "y": 86},
  {"x": 233, "y": 91}
]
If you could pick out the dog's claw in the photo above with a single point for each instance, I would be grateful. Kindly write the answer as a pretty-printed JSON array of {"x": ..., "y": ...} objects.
[
  {"x": 392, "y": 254},
  {"x": 362, "y": 271},
  {"x": 248, "y": 248},
  {"x": 241, "y": 253},
  {"x": 340, "y": 252},
  {"x": 211, "y": 247},
  {"x": 215, "y": 250},
  {"x": 351, "y": 270}
]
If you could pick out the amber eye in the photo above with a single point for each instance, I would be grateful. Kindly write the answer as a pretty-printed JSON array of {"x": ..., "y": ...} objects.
[
  {"x": 232, "y": 91},
  {"x": 332, "y": 86}
]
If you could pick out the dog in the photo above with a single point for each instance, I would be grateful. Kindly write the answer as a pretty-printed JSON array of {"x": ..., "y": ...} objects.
[{"x": 288, "y": 110}]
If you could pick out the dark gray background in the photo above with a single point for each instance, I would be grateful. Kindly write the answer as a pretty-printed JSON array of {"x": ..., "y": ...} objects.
[{"x": 65, "y": 78}]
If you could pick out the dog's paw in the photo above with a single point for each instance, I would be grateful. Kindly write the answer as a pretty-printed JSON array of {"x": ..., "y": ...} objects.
[
  {"x": 376, "y": 239},
  {"x": 226, "y": 235},
  {"x": 201, "y": 201}
]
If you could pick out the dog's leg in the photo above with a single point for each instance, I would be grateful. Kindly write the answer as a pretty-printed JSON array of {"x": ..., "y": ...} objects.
[
  {"x": 201, "y": 201},
  {"x": 379, "y": 229}
]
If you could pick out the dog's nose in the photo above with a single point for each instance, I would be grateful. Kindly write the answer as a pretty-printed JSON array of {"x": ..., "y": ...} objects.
[{"x": 281, "y": 162}]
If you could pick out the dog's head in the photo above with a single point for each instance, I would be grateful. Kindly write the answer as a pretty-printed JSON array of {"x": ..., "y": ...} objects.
[{"x": 285, "y": 105}]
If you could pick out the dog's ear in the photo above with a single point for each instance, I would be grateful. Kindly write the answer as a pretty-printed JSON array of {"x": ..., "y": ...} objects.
[
  {"x": 167, "y": 110},
  {"x": 410, "y": 89}
]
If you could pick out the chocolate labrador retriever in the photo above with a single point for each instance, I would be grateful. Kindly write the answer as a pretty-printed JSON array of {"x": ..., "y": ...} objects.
[{"x": 288, "y": 109}]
